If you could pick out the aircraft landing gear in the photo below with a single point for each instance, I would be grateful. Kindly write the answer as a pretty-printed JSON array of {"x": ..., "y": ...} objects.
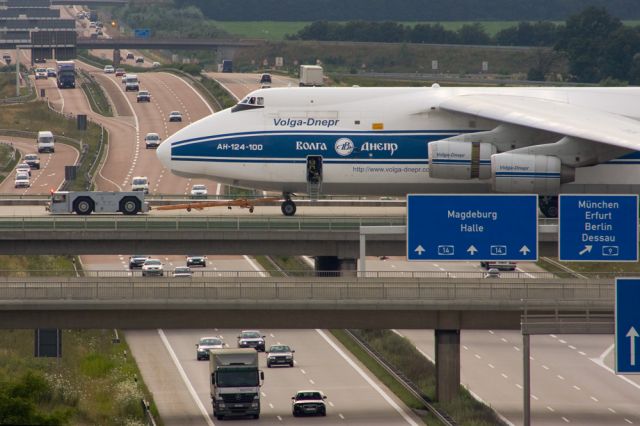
[
  {"x": 548, "y": 205},
  {"x": 288, "y": 207}
]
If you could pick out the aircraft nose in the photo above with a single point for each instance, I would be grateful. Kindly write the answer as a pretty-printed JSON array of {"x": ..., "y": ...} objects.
[{"x": 164, "y": 153}]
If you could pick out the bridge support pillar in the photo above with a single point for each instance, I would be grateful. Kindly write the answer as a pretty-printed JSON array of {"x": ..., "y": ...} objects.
[
  {"x": 116, "y": 57},
  {"x": 334, "y": 266},
  {"x": 447, "y": 364}
]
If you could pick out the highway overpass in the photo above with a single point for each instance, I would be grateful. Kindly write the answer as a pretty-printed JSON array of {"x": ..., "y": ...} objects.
[
  {"x": 269, "y": 302},
  {"x": 241, "y": 235}
]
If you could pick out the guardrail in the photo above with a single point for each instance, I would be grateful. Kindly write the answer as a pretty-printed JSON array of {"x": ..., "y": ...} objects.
[
  {"x": 498, "y": 294},
  {"x": 192, "y": 223}
]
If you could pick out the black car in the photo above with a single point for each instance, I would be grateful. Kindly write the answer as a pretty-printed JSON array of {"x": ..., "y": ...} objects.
[
  {"x": 32, "y": 160},
  {"x": 197, "y": 261},
  {"x": 265, "y": 79},
  {"x": 137, "y": 260},
  {"x": 129, "y": 55}
]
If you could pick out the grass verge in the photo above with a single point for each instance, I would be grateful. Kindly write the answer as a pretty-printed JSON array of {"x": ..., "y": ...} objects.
[
  {"x": 95, "y": 382},
  {"x": 96, "y": 96},
  {"x": 223, "y": 97},
  {"x": 9, "y": 157}
]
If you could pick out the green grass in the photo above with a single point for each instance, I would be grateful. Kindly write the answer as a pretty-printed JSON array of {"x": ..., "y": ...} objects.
[
  {"x": 7, "y": 85},
  {"x": 35, "y": 116},
  {"x": 276, "y": 30},
  {"x": 7, "y": 163},
  {"x": 97, "y": 98},
  {"x": 23, "y": 266}
]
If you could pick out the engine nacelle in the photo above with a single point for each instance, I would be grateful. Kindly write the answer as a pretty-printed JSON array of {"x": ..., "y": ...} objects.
[
  {"x": 460, "y": 160},
  {"x": 540, "y": 174}
]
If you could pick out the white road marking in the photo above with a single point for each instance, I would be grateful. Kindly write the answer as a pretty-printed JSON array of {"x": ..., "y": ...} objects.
[
  {"x": 534, "y": 397},
  {"x": 518, "y": 385},
  {"x": 184, "y": 377},
  {"x": 516, "y": 348},
  {"x": 264, "y": 395},
  {"x": 560, "y": 377},
  {"x": 368, "y": 379},
  {"x": 279, "y": 418},
  {"x": 566, "y": 420},
  {"x": 341, "y": 416},
  {"x": 331, "y": 403},
  {"x": 550, "y": 409},
  {"x": 554, "y": 336},
  {"x": 504, "y": 376},
  {"x": 302, "y": 371},
  {"x": 477, "y": 356},
  {"x": 628, "y": 421},
  {"x": 504, "y": 340},
  {"x": 312, "y": 382},
  {"x": 397, "y": 332},
  {"x": 545, "y": 367},
  {"x": 576, "y": 387},
  {"x": 594, "y": 399},
  {"x": 572, "y": 347},
  {"x": 612, "y": 410},
  {"x": 270, "y": 405},
  {"x": 491, "y": 366},
  {"x": 582, "y": 353},
  {"x": 465, "y": 348},
  {"x": 491, "y": 332},
  {"x": 562, "y": 341}
]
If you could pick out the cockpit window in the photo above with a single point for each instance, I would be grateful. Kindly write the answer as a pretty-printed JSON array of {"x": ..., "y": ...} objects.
[{"x": 250, "y": 102}]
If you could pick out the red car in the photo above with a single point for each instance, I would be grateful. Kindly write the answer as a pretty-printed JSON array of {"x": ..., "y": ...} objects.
[{"x": 120, "y": 72}]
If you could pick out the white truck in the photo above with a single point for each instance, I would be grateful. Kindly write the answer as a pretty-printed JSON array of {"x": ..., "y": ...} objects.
[
  {"x": 87, "y": 202},
  {"x": 235, "y": 381},
  {"x": 311, "y": 75}
]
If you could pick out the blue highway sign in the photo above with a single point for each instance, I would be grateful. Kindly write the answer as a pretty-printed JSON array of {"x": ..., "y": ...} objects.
[
  {"x": 627, "y": 325},
  {"x": 142, "y": 33},
  {"x": 602, "y": 228},
  {"x": 472, "y": 227}
]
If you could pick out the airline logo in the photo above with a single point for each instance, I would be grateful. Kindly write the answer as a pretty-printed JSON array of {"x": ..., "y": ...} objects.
[
  {"x": 295, "y": 122},
  {"x": 344, "y": 147}
]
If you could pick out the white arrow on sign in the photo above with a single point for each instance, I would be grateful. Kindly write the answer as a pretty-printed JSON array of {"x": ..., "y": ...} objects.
[
  {"x": 524, "y": 250},
  {"x": 419, "y": 250},
  {"x": 632, "y": 334},
  {"x": 586, "y": 249},
  {"x": 472, "y": 250}
]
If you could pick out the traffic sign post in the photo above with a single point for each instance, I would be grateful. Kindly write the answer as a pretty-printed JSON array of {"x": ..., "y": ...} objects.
[
  {"x": 601, "y": 228},
  {"x": 142, "y": 33},
  {"x": 472, "y": 227},
  {"x": 627, "y": 326}
]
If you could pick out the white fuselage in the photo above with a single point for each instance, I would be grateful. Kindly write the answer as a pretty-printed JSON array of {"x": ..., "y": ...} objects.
[{"x": 370, "y": 141}]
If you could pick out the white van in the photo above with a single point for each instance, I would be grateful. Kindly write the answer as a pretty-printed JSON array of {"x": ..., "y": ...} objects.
[
  {"x": 45, "y": 141},
  {"x": 140, "y": 183},
  {"x": 131, "y": 83}
]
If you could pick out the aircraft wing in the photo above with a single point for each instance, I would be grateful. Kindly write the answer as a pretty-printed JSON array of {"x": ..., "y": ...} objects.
[{"x": 552, "y": 116}]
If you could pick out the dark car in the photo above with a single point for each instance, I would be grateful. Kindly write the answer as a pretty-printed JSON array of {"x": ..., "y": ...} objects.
[
  {"x": 197, "y": 261},
  {"x": 51, "y": 72},
  {"x": 130, "y": 55},
  {"x": 279, "y": 355},
  {"x": 265, "y": 78},
  {"x": 143, "y": 96},
  {"x": 309, "y": 403},
  {"x": 32, "y": 160},
  {"x": 137, "y": 260}
]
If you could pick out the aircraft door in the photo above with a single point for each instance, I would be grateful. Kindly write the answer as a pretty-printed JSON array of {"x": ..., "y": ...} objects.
[{"x": 314, "y": 169}]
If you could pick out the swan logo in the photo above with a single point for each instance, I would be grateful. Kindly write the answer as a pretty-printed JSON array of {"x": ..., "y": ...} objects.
[{"x": 344, "y": 147}]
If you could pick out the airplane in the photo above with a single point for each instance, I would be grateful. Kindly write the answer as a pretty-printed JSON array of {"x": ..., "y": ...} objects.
[{"x": 395, "y": 141}]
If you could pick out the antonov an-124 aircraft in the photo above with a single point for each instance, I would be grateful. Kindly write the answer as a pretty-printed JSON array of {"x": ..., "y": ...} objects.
[{"x": 395, "y": 141}]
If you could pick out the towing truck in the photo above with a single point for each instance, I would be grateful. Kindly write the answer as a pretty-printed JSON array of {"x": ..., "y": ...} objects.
[
  {"x": 87, "y": 202},
  {"x": 235, "y": 382}
]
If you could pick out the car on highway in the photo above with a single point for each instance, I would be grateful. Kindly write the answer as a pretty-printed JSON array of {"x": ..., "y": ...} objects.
[
  {"x": 143, "y": 96},
  {"x": 92, "y": 24},
  {"x": 152, "y": 140},
  {"x": 251, "y": 339},
  {"x": 23, "y": 168},
  {"x": 33, "y": 161},
  {"x": 194, "y": 260},
  {"x": 120, "y": 72},
  {"x": 140, "y": 183},
  {"x": 492, "y": 273},
  {"x": 175, "y": 116},
  {"x": 131, "y": 83},
  {"x": 309, "y": 403},
  {"x": 6, "y": 57},
  {"x": 152, "y": 267},
  {"x": 137, "y": 260},
  {"x": 265, "y": 79},
  {"x": 41, "y": 73},
  {"x": 139, "y": 60},
  {"x": 22, "y": 180},
  {"x": 199, "y": 191},
  {"x": 501, "y": 265},
  {"x": 280, "y": 355},
  {"x": 40, "y": 60},
  {"x": 108, "y": 69},
  {"x": 207, "y": 343},
  {"x": 130, "y": 55},
  {"x": 182, "y": 272},
  {"x": 51, "y": 72},
  {"x": 156, "y": 65}
]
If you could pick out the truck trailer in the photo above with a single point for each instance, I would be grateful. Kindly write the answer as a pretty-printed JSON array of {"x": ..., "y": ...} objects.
[
  {"x": 235, "y": 381},
  {"x": 66, "y": 74},
  {"x": 311, "y": 75},
  {"x": 87, "y": 202}
]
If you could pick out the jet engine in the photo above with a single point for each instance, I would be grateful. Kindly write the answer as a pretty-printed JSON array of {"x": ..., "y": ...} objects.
[
  {"x": 460, "y": 160},
  {"x": 539, "y": 174}
]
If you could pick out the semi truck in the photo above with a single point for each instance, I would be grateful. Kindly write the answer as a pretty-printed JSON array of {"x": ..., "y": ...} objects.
[
  {"x": 87, "y": 202},
  {"x": 227, "y": 65},
  {"x": 311, "y": 75},
  {"x": 66, "y": 74},
  {"x": 235, "y": 382}
]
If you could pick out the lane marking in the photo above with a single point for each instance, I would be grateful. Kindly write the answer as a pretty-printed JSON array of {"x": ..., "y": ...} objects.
[
  {"x": 534, "y": 397},
  {"x": 185, "y": 379},
  {"x": 504, "y": 376},
  {"x": 550, "y": 409},
  {"x": 566, "y": 420},
  {"x": 341, "y": 416},
  {"x": 594, "y": 399},
  {"x": 366, "y": 377},
  {"x": 560, "y": 377},
  {"x": 545, "y": 367},
  {"x": 576, "y": 387}
]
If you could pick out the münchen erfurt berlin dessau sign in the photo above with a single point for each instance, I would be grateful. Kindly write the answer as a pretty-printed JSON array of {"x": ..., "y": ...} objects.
[
  {"x": 602, "y": 228},
  {"x": 472, "y": 227}
]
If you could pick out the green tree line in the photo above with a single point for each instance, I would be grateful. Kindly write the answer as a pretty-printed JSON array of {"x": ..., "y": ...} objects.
[{"x": 405, "y": 10}]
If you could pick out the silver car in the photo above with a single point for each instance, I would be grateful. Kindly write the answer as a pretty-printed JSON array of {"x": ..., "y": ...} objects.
[{"x": 207, "y": 343}]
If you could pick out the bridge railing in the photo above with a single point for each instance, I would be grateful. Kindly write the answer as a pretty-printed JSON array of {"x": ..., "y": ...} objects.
[{"x": 436, "y": 291}]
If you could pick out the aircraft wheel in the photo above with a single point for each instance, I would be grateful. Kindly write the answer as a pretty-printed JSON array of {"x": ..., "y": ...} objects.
[{"x": 288, "y": 208}]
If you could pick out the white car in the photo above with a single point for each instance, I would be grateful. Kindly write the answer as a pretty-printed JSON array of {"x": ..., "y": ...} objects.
[
  {"x": 140, "y": 183},
  {"x": 309, "y": 403},
  {"x": 175, "y": 116},
  {"x": 152, "y": 267},
  {"x": 41, "y": 73},
  {"x": 156, "y": 65},
  {"x": 109, "y": 69},
  {"x": 280, "y": 355},
  {"x": 199, "y": 191},
  {"x": 23, "y": 168},
  {"x": 22, "y": 181},
  {"x": 182, "y": 272},
  {"x": 152, "y": 140},
  {"x": 207, "y": 343}
]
